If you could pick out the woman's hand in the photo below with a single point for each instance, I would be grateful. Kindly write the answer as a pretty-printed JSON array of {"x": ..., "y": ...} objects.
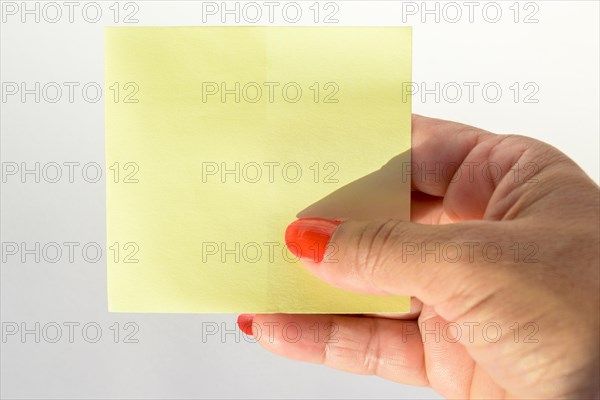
[{"x": 501, "y": 257}]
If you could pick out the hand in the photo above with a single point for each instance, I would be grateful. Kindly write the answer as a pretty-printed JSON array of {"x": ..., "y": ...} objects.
[{"x": 501, "y": 258}]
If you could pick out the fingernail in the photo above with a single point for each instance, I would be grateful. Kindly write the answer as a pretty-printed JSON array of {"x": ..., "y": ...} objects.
[
  {"x": 307, "y": 238},
  {"x": 244, "y": 322}
]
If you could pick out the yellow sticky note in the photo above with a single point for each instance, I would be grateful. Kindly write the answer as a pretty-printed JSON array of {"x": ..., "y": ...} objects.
[{"x": 218, "y": 137}]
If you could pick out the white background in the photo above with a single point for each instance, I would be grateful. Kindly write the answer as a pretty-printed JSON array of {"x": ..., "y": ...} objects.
[{"x": 554, "y": 54}]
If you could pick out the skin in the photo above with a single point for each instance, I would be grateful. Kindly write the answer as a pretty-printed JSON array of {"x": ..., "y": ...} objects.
[{"x": 548, "y": 293}]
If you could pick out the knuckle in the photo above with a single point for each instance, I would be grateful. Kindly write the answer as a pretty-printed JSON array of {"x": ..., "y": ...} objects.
[
  {"x": 370, "y": 355},
  {"x": 373, "y": 251}
]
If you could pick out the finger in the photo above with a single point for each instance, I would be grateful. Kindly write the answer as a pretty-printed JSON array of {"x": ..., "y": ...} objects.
[
  {"x": 388, "y": 257},
  {"x": 483, "y": 386},
  {"x": 439, "y": 147},
  {"x": 481, "y": 175},
  {"x": 371, "y": 346},
  {"x": 448, "y": 365}
]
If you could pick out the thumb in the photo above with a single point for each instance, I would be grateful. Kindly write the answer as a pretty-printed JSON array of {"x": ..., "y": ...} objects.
[{"x": 390, "y": 257}]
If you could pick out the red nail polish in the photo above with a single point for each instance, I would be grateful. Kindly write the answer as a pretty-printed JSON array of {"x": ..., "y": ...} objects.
[
  {"x": 244, "y": 322},
  {"x": 308, "y": 237}
]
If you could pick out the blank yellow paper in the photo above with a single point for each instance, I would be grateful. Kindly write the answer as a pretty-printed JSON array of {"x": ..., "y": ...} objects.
[{"x": 217, "y": 137}]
